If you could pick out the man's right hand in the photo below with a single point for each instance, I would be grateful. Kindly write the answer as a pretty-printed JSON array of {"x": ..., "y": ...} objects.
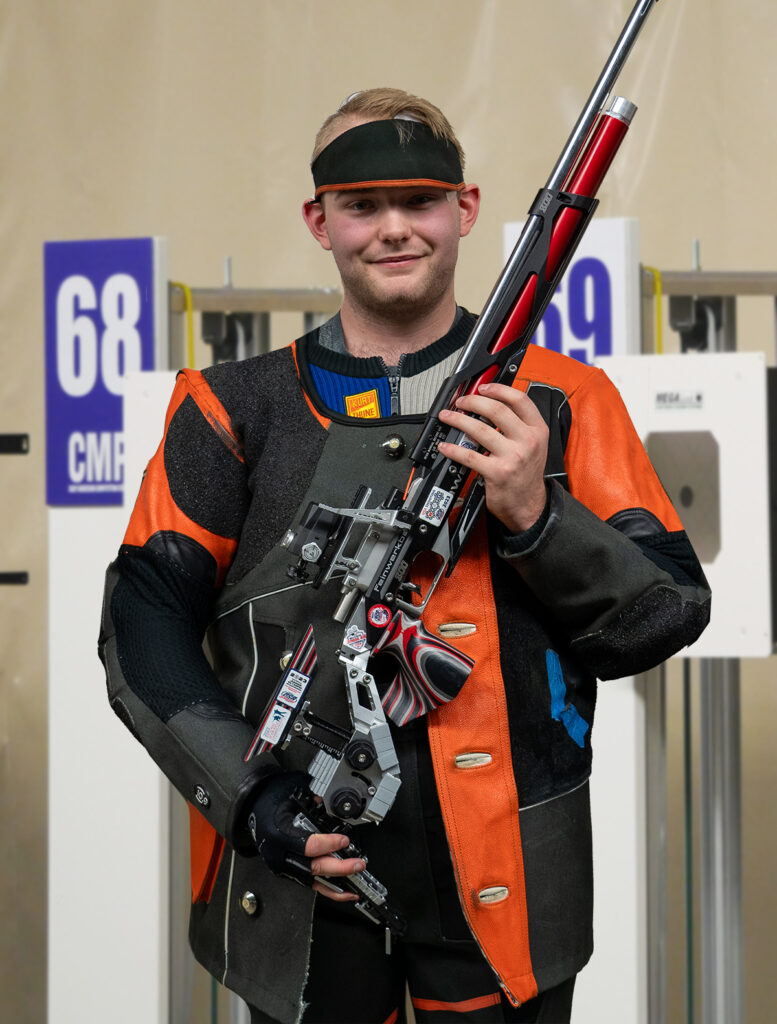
[
  {"x": 318, "y": 848},
  {"x": 291, "y": 851}
]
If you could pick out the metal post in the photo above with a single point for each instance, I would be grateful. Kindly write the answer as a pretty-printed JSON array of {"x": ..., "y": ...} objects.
[
  {"x": 721, "y": 862},
  {"x": 238, "y": 1011},
  {"x": 720, "y": 810},
  {"x": 720, "y": 806},
  {"x": 654, "y": 688}
]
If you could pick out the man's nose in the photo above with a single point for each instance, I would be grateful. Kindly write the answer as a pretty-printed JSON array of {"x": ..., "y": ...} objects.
[{"x": 394, "y": 225}]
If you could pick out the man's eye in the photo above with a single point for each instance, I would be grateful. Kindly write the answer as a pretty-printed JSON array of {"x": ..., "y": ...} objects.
[
  {"x": 360, "y": 205},
  {"x": 422, "y": 199}
]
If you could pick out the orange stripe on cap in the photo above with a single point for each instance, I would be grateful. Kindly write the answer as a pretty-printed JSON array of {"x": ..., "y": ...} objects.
[
  {"x": 356, "y": 186},
  {"x": 464, "y": 1006}
]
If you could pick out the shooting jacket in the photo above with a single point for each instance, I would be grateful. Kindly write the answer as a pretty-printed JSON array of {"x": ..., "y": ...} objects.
[{"x": 606, "y": 585}]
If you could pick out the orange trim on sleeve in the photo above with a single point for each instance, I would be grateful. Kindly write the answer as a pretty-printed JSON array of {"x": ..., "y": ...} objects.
[
  {"x": 155, "y": 509},
  {"x": 213, "y": 411},
  {"x": 321, "y": 419},
  {"x": 607, "y": 465},
  {"x": 464, "y": 1006},
  {"x": 206, "y": 848}
]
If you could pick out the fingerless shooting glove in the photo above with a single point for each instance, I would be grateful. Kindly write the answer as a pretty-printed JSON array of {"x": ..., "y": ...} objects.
[{"x": 280, "y": 842}]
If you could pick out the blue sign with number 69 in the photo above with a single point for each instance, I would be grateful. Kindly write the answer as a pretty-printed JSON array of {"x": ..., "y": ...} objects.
[
  {"x": 588, "y": 313},
  {"x": 99, "y": 316},
  {"x": 596, "y": 309}
]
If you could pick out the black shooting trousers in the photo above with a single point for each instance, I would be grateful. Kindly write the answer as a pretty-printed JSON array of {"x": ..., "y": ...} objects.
[{"x": 353, "y": 981}]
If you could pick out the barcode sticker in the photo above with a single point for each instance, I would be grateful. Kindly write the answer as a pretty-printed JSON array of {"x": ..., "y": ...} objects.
[
  {"x": 293, "y": 688},
  {"x": 437, "y": 504}
]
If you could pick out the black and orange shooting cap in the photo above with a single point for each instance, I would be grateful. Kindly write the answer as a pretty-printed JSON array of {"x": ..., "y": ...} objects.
[{"x": 388, "y": 153}]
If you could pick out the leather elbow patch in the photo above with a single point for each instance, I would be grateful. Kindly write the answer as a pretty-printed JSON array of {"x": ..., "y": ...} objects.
[{"x": 657, "y": 626}]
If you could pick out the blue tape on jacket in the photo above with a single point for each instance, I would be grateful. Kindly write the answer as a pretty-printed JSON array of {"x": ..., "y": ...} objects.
[{"x": 560, "y": 710}]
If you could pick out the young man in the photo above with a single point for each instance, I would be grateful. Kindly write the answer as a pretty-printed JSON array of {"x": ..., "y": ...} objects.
[{"x": 580, "y": 569}]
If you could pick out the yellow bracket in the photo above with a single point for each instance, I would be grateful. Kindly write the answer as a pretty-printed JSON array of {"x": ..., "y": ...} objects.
[
  {"x": 187, "y": 298},
  {"x": 656, "y": 274}
]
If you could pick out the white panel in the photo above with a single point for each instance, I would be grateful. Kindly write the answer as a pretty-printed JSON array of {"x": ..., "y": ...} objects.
[
  {"x": 107, "y": 806},
  {"x": 108, "y": 802},
  {"x": 703, "y": 418},
  {"x": 612, "y": 989}
]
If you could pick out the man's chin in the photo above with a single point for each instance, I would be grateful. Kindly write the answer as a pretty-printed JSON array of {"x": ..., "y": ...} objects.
[{"x": 401, "y": 304}]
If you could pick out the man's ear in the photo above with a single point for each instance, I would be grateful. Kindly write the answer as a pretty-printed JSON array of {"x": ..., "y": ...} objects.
[
  {"x": 315, "y": 218},
  {"x": 469, "y": 205}
]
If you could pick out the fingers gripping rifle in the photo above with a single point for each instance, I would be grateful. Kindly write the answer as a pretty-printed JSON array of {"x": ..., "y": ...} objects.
[{"x": 370, "y": 550}]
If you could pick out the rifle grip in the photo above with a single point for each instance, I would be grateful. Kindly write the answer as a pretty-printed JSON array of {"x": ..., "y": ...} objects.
[{"x": 431, "y": 671}]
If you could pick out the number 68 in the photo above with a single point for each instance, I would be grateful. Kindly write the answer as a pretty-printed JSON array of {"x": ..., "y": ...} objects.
[{"x": 79, "y": 354}]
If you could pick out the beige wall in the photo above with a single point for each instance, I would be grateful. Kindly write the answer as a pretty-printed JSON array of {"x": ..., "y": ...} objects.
[{"x": 193, "y": 120}]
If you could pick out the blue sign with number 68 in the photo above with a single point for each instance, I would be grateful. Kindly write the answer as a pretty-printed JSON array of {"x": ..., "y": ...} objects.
[{"x": 99, "y": 316}]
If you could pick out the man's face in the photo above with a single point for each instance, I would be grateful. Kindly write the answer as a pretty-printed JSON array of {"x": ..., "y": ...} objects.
[{"x": 395, "y": 248}]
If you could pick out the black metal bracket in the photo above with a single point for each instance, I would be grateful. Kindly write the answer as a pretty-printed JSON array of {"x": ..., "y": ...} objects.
[{"x": 14, "y": 444}]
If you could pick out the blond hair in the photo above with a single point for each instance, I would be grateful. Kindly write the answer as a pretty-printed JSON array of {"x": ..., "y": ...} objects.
[{"x": 385, "y": 104}]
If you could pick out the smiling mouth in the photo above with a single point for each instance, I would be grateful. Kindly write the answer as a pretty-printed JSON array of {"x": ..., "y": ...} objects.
[{"x": 389, "y": 260}]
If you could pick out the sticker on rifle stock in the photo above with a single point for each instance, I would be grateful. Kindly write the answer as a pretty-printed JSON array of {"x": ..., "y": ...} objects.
[
  {"x": 275, "y": 723},
  {"x": 293, "y": 688},
  {"x": 379, "y": 615},
  {"x": 355, "y": 638},
  {"x": 437, "y": 504}
]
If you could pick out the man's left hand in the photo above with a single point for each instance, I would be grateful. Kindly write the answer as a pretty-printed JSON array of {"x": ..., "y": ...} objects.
[{"x": 515, "y": 440}]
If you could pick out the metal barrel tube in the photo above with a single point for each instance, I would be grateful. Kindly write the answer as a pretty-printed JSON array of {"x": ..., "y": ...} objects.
[
  {"x": 600, "y": 92},
  {"x": 561, "y": 171}
]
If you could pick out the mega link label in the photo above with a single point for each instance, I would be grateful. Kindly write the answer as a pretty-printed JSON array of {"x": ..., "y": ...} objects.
[{"x": 679, "y": 400}]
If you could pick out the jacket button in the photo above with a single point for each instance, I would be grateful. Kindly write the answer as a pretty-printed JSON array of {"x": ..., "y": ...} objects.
[
  {"x": 249, "y": 903},
  {"x": 494, "y": 894},
  {"x": 474, "y": 760},
  {"x": 456, "y": 628}
]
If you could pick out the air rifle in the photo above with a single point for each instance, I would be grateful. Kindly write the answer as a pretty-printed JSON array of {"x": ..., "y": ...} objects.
[{"x": 370, "y": 550}]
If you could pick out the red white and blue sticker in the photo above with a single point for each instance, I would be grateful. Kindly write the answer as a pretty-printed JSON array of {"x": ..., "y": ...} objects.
[
  {"x": 465, "y": 441},
  {"x": 287, "y": 697},
  {"x": 294, "y": 686},
  {"x": 437, "y": 504},
  {"x": 379, "y": 615},
  {"x": 355, "y": 638},
  {"x": 275, "y": 723}
]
